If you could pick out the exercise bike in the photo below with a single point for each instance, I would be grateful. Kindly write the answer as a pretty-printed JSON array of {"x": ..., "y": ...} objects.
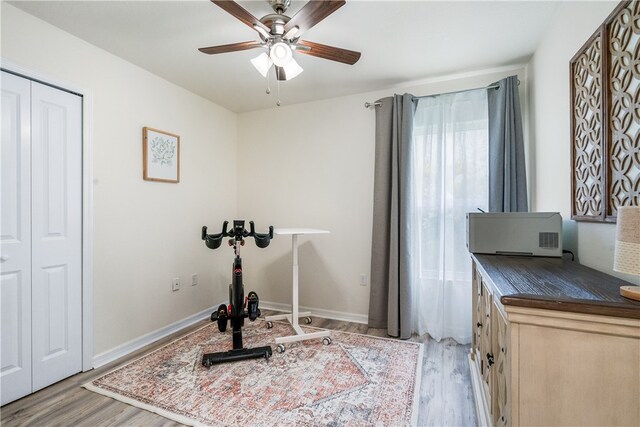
[{"x": 239, "y": 308}]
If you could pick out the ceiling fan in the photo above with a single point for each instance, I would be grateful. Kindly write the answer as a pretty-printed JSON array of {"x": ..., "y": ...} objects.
[{"x": 280, "y": 36}]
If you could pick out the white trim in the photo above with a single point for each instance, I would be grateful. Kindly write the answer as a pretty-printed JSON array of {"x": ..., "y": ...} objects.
[
  {"x": 528, "y": 138},
  {"x": 87, "y": 232},
  {"x": 318, "y": 312},
  {"x": 137, "y": 343},
  {"x": 42, "y": 78},
  {"x": 480, "y": 399},
  {"x": 87, "y": 198}
]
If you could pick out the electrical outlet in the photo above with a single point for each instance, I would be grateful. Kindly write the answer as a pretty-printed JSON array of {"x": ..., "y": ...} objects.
[
  {"x": 194, "y": 279},
  {"x": 175, "y": 284},
  {"x": 363, "y": 279}
]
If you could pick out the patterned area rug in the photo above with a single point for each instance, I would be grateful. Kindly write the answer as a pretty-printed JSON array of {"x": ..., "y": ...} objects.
[{"x": 357, "y": 380}]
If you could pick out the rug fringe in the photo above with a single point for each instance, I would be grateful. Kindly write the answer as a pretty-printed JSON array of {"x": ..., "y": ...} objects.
[{"x": 133, "y": 402}]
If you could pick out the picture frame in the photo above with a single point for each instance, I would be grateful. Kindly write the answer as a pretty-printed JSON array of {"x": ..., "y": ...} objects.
[{"x": 160, "y": 156}]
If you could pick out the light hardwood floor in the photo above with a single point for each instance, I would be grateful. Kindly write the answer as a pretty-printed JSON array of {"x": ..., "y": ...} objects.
[{"x": 445, "y": 394}]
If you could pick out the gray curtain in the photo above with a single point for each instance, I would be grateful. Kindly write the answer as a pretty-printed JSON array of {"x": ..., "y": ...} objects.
[
  {"x": 507, "y": 170},
  {"x": 390, "y": 297}
]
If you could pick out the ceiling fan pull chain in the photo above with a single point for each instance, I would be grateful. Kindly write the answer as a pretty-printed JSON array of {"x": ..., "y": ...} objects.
[
  {"x": 268, "y": 91},
  {"x": 278, "y": 102}
]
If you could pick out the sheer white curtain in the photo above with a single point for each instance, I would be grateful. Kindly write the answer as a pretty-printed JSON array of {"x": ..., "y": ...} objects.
[{"x": 450, "y": 167}]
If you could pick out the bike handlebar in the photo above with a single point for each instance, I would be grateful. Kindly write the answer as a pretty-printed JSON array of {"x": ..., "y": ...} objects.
[
  {"x": 238, "y": 232},
  {"x": 262, "y": 239}
]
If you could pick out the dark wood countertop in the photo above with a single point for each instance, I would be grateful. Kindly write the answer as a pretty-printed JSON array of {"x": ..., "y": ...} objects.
[{"x": 556, "y": 284}]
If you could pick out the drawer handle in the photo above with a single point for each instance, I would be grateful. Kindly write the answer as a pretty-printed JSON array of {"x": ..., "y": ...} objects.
[
  {"x": 479, "y": 325},
  {"x": 490, "y": 359}
]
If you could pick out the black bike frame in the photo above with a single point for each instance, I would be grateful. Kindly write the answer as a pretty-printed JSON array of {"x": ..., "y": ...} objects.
[
  {"x": 235, "y": 311},
  {"x": 236, "y": 297}
]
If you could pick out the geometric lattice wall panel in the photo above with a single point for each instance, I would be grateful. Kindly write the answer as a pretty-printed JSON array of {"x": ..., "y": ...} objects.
[
  {"x": 623, "y": 34},
  {"x": 605, "y": 118},
  {"x": 588, "y": 145}
]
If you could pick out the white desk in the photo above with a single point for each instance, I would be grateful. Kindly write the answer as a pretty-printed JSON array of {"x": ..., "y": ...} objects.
[{"x": 295, "y": 313}]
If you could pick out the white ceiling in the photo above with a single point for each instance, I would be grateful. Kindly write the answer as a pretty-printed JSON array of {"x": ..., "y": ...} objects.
[{"x": 400, "y": 41}]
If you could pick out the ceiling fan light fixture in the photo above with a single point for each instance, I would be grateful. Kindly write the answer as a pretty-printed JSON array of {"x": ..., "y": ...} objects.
[
  {"x": 280, "y": 53},
  {"x": 292, "y": 32},
  {"x": 292, "y": 69},
  {"x": 262, "y": 63}
]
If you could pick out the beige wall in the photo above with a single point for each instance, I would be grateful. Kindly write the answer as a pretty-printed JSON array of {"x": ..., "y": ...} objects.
[
  {"x": 549, "y": 98},
  {"x": 311, "y": 165},
  {"x": 308, "y": 165},
  {"x": 145, "y": 233}
]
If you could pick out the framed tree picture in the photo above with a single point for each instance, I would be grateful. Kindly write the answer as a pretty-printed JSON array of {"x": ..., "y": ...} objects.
[{"x": 160, "y": 155}]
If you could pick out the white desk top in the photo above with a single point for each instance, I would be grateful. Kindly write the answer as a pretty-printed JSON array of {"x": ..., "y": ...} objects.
[{"x": 290, "y": 231}]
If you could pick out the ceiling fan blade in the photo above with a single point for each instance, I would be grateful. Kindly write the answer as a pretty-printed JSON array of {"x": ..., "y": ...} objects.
[
  {"x": 233, "y": 47},
  {"x": 329, "y": 52},
  {"x": 240, "y": 13},
  {"x": 312, "y": 13}
]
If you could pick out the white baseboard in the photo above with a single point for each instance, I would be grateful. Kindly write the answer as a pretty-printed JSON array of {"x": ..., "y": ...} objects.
[
  {"x": 135, "y": 344},
  {"x": 318, "y": 312},
  {"x": 479, "y": 398}
]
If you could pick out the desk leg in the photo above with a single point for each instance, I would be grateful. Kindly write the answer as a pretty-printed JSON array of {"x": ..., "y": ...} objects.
[
  {"x": 294, "y": 302},
  {"x": 295, "y": 309}
]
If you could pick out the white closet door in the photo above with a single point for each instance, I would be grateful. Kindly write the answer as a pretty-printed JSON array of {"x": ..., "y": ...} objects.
[
  {"x": 56, "y": 203},
  {"x": 15, "y": 240}
]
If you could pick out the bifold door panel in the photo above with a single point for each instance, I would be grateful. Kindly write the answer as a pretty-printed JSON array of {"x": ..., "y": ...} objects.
[
  {"x": 15, "y": 232},
  {"x": 41, "y": 236},
  {"x": 56, "y": 152}
]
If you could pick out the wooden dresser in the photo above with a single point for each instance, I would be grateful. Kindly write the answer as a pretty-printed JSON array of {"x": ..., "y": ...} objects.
[{"x": 554, "y": 344}]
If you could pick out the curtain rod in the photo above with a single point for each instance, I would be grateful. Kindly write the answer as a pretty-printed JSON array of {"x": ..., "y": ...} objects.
[{"x": 377, "y": 103}]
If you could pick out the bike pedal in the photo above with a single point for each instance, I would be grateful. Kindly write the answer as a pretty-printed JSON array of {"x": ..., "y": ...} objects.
[
  {"x": 222, "y": 315},
  {"x": 252, "y": 306}
]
